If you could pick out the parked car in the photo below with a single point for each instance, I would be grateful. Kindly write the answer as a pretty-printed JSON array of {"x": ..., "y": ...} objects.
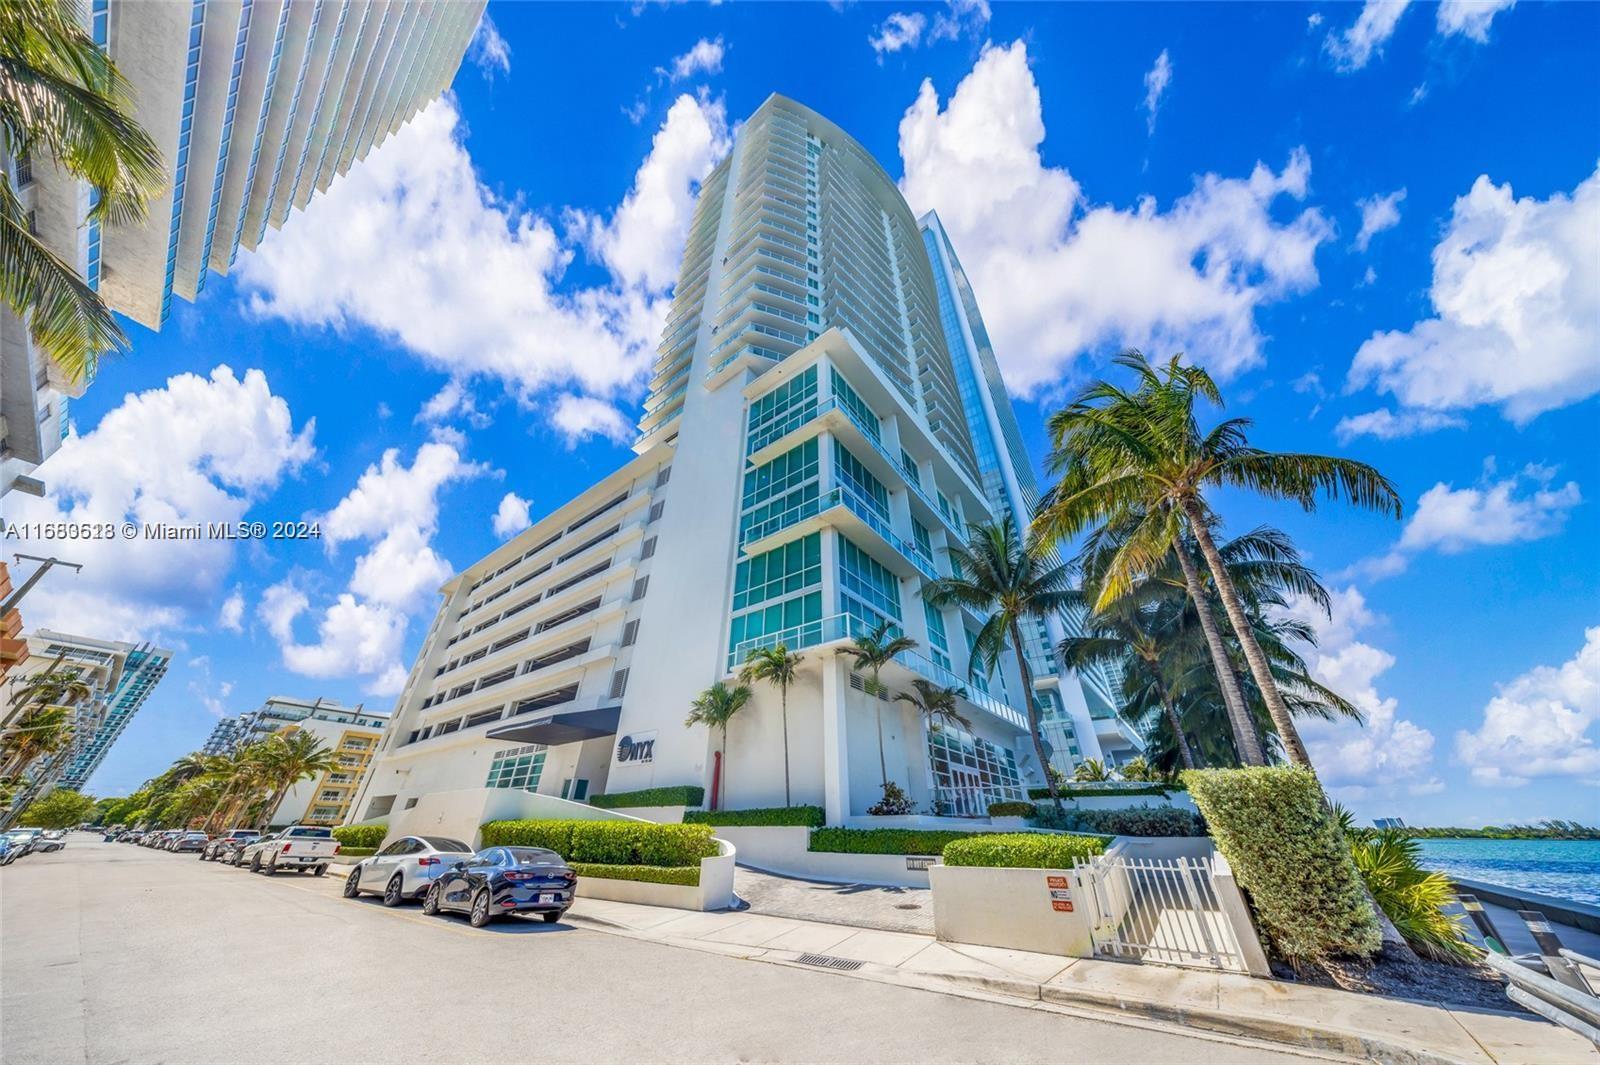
[
  {"x": 190, "y": 841},
  {"x": 50, "y": 840},
  {"x": 114, "y": 833},
  {"x": 25, "y": 839},
  {"x": 9, "y": 852},
  {"x": 213, "y": 850},
  {"x": 298, "y": 847},
  {"x": 235, "y": 851},
  {"x": 170, "y": 838},
  {"x": 406, "y": 868},
  {"x": 503, "y": 880}
]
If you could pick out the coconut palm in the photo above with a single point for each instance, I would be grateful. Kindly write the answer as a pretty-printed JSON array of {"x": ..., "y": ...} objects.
[
  {"x": 1092, "y": 771},
  {"x": 44, "y": 730},
  {"x": 936, "y": 704},
  {"x": 63, "y": 102},
  {"x": 1142, "y": 454},
  {"x": 285, "y": 760},
  {"x": 1011, "y": 579},
  {"x": 775, "y": 665},
  {"x": 714, "y": 708},
  {"x": 868, "y": 653}
]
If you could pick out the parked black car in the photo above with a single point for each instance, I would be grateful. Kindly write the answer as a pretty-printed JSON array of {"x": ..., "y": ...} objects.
[
  {"x": 190, "y": 841},
  {"x": 215, "y": 849},
  {"x": 504, "y": 880}
]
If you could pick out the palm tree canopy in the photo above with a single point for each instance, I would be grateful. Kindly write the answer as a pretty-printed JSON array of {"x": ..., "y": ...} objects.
[
  {"x": 716, "y": 706},
  {"x": 773, "y": 665},
  {"x": 871, "y": 651},
  {"x": 937, "y": 704}
]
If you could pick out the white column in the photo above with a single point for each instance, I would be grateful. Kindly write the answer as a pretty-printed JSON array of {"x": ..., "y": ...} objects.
[{"x": 835, "y": 749}]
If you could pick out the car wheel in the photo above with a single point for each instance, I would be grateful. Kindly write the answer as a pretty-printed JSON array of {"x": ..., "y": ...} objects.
[
  {"x": 392, "y": 891},
  {"x": 272, "y": 866},
  {"x": 430, "y": 901},
  {"x": 552, "y": 917},
  {"x": 320, "y": 870},
  {"x": 480, "y": 909},
  {"x": 352, "y": 884},
  {"x": 255, "y": 863}
]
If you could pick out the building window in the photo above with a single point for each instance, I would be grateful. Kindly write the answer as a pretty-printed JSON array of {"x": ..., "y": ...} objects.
[
  {"x": 869, "y": 593},
  {"x": 855, "y": 477},
  {"x": 663, "y": 475},
  {"x": 648, "y": 549},
  {"x": 938, "y": 642},
  {"x": 411, "y": 802},
  {"x": 482, "y": 717},
  {"x": 568, "y": 615},
  {"x": 561, "y": 654},
  {"x": 851, "y": 400},
  {"x": 592, "y": 541},
  {"x": 782, "y": 410},
  {"x": 593, "y": 514},
  {"x": 547, "y": 699},
  {"x": 517, "y": 767},
  {"x": 777, "y": 596},
  {"x": 630, "y": 633},
  {"x": 969, "y": 773},
  {"x": 640, "y": 587},
  {"x": 656, "y": 509},
  {"x": 779, "y": 493},
  {"x": 577, "y": 578}
]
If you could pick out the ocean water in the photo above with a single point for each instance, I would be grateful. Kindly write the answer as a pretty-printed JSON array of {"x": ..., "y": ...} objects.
[{"x": 1565, "y": 869}]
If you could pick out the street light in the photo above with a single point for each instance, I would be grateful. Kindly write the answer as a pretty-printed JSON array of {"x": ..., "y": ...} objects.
[{"x": 16, "y": 597}]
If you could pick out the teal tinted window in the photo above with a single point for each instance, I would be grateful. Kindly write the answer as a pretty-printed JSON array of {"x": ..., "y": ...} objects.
[
  {"x": 519, "y": 767},
  {"x": 854, "y": 476},
  {"x": 782, "y": 571},
  {"x": 938, "y": 643},
  {"x": 779, "y": 493},
  {"x": 782, "y": 410},
  {"x": 869, "y": 592},
  {"x": 851, "y": 400}
]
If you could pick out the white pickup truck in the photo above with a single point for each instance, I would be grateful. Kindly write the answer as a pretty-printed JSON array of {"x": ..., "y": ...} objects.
[{"x": 298, "y": 847}]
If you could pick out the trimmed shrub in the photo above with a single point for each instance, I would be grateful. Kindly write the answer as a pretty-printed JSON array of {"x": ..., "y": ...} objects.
[
  {"x": 1288, "y": 853},
  {"x": 356, "y": 852},
  {"x": 803, "y": 816},
  {"x": 688, "y": 876},
  {"x": 1023, "y": 850},
  {"x": 1133, "y": 821},
  {"x": 608, "y": 842},
  {"x": 681, "y": 795},
  {"x": 1012, "y": 809},
  {"x": 1113, "y": 788},
  {"x": 881, "y": 840},
  {"x": 360, "y": 836}
]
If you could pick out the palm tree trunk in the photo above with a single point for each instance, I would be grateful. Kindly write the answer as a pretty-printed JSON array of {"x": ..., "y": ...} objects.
[
  {"x": 724, "y": 789},
  {"x": 1287, "y": 733},
  {"x": 877, "y": 713},
  {"x": 1177, "y": 731},
  {"x": 784, "y": 701},
  {"x": 1034, "y": 732},
  {"x": 1244, "y": 733}
]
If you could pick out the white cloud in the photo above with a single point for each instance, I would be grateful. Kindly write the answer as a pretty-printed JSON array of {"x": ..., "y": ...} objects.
[
  {"x": 1470, "y": 18},
  {"x": 489, "y": 51},
  {"x": 393, "y": 508},
  {"x": 1378, "y": 213},
  {"x": 1541, "y": 724},
  {"x": 1056, "y": 282},
  {"x": 1156, "y": 80},
  {"x": 196, "y": 450},
  {"x": 1388, "y": 752},
  {"x": 412, "y": 246},
  {"x": 1387, "y": 425},
  {"x": 704, "y": 58},
  {"x": 1516, "y": 294},
  {"x": 511, "y": 517},
  {"x": 583, "y": 416},
  {"x": 231, "y": 616},
  {"x": 454, "y": 400},
  {"x": 1353, "y": 48},
  {"x": 909, "y": 29},
  {"x": 1525, "y": 506}
]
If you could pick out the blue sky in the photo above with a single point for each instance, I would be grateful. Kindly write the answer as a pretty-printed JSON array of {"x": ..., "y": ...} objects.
[{"x": 1377, "y": 225}]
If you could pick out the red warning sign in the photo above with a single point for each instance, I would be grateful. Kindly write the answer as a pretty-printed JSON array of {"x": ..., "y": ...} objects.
[
  {"x": 1055, "y": 881},
  {"x": 1061, "y": 907}
]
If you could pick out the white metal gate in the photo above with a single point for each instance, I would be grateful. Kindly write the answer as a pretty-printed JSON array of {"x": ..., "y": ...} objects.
[{"x": 1159, "y": 909}]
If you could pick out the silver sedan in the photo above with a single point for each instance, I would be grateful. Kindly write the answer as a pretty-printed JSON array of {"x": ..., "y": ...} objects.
[{"x": 405, "y": 867}]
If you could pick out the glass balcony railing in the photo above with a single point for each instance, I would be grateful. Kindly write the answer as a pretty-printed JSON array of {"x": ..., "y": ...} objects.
[{"x": 857, "y": 505}]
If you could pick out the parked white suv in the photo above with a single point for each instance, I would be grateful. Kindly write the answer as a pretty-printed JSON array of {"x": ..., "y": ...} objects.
[
  {"x": 405, "y": 868},
  {"x": 298, "y": 847}
]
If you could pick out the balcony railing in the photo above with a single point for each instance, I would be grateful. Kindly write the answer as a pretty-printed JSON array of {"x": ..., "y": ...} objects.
[
  {"x": 974, "y": 801},
  {"x": 861, "y": 508}
]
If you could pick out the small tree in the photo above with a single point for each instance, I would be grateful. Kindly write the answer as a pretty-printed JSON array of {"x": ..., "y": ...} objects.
[
  {"x": 59, "y": 809},
  {"x": 1092, "y": 771},
  {"x": 714, "y": 708},
  {"x": 775, "y": 665},
  {"x": 870, "y": 653}
]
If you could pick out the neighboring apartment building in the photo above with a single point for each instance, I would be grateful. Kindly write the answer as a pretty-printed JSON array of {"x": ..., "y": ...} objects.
[
  {"x": 224, "y": 737},
  {"x": 120, "y": 676},
  {"x": 13, "y": 648},
  {"x": 256, "y": 105},
  {"x": 353, "y": 736},
  {"x": 805, "y": 459}
]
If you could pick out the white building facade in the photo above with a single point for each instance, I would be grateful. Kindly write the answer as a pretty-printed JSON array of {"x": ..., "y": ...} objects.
[
  {"x": 256, "y": 105},
  {"x": 805, "y": 460}
]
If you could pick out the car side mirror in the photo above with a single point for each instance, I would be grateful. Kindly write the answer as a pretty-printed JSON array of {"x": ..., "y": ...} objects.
[{"x": 458, "y": 866}]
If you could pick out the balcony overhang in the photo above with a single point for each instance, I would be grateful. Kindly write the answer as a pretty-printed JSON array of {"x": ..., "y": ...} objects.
[{"x": 555, "y": 727}]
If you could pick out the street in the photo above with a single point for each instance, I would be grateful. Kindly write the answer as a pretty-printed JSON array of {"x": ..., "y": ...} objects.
[{"x": 115, "y": 953}]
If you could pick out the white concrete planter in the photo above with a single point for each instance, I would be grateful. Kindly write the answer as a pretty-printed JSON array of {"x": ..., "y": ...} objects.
[
  {"x": 661, "y": 815},
  {"x": 1162, "y": 846},
  {"x": 1009, "y": 824},
  {"x": 714, "y": 892},
  {"x": 1013, "y": 908},
  {"x": 784, "y": 850}
]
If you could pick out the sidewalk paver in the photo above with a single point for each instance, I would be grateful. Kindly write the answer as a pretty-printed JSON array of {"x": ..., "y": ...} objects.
[{"x": 810, "y": 938}]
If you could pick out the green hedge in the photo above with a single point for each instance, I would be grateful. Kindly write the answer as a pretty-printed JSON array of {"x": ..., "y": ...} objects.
[
  {"x": 356, "y": 852},
  {"x": 1133, "y": 821},
  {"x": 1023, "y": 850},
  {"x": 803, "y": 816},
  {"x": 360, "y": 835},
  {"x": 1110, "y": 789},
  {"x": 1012, "y": 809},
  {"x": 608, "y": 842},
  {"x": 682, "y": 795},
  {"x": 881, "y": 840},
  {"x": 689, "y": 876},
  {"x": 1287, "y": 851}
]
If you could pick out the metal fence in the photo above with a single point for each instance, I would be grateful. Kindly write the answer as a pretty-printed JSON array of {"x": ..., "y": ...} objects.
[{"x": 1160, "y": 909}]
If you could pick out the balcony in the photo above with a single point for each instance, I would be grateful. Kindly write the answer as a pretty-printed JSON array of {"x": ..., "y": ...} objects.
[{"x": 843, "y": 509}]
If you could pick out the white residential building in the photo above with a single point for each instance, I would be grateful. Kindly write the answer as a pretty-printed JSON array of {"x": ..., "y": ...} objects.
[
  {"x": 256, "y": 105},
  {"x": 805, "y": 459}
]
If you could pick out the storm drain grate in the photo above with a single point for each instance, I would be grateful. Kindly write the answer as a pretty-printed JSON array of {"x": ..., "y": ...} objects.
[{"x": 823, "y": 961}]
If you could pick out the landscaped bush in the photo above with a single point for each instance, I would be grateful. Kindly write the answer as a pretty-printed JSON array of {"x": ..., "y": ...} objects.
[
  {"x": 1023, "y": 850},
  {"x": 881, "y": 840},
  {"x": 1114, "y": 788},
  {"x": 608, "y": 842},
  {"x": 681, "y": 795},
  {"x": 356, "y": 852},
  {"x": 804, "y": 816},
  {"x": 1287, "y": 851},
  {"x": 895, "y": 802},
  {"x": 1133, "y": 821},
  {"x": 689, "y": 875},
  {"x": 360, "y": 836},
  {"x": 1012, "y": 809}
]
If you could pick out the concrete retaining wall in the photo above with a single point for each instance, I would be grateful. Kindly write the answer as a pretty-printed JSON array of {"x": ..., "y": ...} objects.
[
  {"x": 1012, "y": 908},
  {"x": 715, "y": 891},
  {"x": 783, "y": 850}
]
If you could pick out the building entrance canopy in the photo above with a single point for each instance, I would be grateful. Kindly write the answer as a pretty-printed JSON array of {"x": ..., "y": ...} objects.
[{"x": 553, "y": 729}]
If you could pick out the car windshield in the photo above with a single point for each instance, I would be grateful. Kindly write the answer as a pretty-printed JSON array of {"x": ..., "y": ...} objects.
[
  {"x": 533, "y": 856},
  {"x": 312, "y": 833},
  {"x": 440, "y": 843}
]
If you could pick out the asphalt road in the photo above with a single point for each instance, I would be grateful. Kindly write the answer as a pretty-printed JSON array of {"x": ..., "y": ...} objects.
[{"x": 117, "y": 954}]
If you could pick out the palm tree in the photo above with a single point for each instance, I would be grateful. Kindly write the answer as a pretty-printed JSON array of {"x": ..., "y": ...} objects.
[
  {"x": 1142, "y": 455},
  {"x": 714, "y": 708},
  {"x": 1091, "y": 771},
  {"x": 936, "y": 704},
  {"x": 870, "y": 652},
  {"x": 286, "y": 760},
  {"x": 775, "y": 665},
  {"x": 1011, "y": 579},
  {"x": 42, "y": 731},
  {"x": 63, "y": 101}
]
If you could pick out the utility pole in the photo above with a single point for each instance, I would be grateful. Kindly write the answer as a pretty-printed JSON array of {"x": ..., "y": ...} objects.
[{"x": 16, "y": 597}]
